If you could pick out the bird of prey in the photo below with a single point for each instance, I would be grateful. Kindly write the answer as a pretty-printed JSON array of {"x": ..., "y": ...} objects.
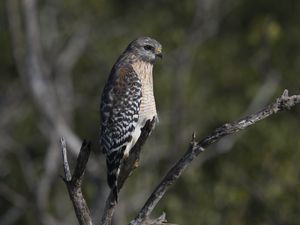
[{"x": 127, "y": 103}]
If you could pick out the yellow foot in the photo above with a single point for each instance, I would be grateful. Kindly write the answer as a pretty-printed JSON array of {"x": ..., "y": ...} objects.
[
  {"x": 136, "y": 164},
  {"x": 126, "y": 156}
]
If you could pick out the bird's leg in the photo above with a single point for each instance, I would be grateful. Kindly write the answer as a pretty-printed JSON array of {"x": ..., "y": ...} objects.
[
  {"x": 136, "y": 164},
  {"x": 126, "y": 155}
]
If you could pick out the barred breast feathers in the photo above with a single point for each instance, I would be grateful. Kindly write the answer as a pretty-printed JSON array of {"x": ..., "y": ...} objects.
[{"x": 144, "y": 71}]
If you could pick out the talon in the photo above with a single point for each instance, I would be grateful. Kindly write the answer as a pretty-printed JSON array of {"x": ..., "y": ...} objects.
[
  {"x": 136, "y": 164},
  {"x": 126, "y": 156}
]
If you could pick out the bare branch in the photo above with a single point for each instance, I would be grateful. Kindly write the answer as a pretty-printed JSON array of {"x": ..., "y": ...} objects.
[
  {"x": 264, "y": 94},
  {"x": 158, "y": 221},
  {"x": 82, "y": 160},
  {"x": 284, "y": 102},
  {"x": 67, "y": 171},
  {"x": 195, "y": 148},
  {"x": 74, "y": 183}
]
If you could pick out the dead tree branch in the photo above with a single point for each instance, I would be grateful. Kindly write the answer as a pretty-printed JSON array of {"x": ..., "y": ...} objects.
[
  {"x": 73, "y": 182},
  {"x": 284, "y": 102},
  {"x": 263, "y": 96}
]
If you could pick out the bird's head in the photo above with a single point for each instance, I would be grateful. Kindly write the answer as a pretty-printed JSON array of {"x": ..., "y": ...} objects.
[{"x": 146, "y": 48}]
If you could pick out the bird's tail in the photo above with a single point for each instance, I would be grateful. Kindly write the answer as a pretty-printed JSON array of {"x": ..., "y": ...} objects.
[
  {"x": 113, "y": 162},
  {"x": 112, "y": 180}
]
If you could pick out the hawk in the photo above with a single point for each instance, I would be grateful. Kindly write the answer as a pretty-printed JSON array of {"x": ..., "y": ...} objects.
[{"x": 127, "y": 103}]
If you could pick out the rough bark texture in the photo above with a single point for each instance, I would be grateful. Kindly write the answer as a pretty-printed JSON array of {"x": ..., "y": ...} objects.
[{"x": 73, "y": 182}]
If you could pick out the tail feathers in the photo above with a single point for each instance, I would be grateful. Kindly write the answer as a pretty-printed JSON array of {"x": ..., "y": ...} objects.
[
  {"x": 112, "y": 180},
  {"x": 113, "y": 171},
  {"x": 113, "y": 162},
  {"x": 115, "y": 193}
]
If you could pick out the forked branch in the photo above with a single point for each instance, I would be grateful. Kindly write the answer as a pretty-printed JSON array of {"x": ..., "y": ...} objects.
[
  {"x": 195, "y": 148},
  {"x": 73, "y": 182}
]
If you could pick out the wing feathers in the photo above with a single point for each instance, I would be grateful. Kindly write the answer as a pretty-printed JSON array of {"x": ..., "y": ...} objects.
[{"x": 120, "y": 106}]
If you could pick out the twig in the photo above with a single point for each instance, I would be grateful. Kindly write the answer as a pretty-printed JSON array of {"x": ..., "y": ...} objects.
[
  {"x": 67, "y": 171},
  {"x": 161, "y": 220},
  {"x": 263, "y": 96},
  {"x": 284, "y": 102},
  {"x": 126, "y": 169},
  {"x": 73, "y": 182}
]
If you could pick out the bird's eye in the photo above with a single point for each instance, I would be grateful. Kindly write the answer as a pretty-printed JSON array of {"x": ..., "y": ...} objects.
[{"x": 148, "y": 47}]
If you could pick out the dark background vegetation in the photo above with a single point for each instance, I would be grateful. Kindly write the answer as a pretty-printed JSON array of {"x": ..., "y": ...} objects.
[{"x": 222, "y": 59}]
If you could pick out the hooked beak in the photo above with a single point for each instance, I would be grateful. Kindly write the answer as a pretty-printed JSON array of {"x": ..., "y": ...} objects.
[{"x": 158, "y": 52}]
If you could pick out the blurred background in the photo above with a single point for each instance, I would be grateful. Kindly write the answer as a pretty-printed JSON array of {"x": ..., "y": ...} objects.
[{"x": 222, "y": 60}]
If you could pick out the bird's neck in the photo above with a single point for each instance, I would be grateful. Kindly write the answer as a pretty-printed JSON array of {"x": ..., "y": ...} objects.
[{"x": 144, "y": 71}]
